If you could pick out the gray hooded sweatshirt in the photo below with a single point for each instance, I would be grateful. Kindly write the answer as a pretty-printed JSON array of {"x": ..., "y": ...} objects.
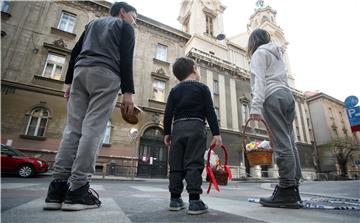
[{"x": 268, "y": 74}]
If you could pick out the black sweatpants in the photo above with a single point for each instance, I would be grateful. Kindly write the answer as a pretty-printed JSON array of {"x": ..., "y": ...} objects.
[{"x": 188, "y": 145}]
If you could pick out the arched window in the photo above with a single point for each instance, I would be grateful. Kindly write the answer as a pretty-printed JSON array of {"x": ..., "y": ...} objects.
[
  {"x": 37, "y": 122},
  {"x": 264, "y": 19},
  {"x": 154, "y": 133},
  {"x": 106, "y": 139}
]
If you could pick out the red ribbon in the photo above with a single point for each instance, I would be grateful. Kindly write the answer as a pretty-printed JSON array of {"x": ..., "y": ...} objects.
[{"x": 210, "y": 172}]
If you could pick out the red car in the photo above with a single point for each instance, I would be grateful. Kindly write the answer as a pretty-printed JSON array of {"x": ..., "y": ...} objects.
[{"x": 14, "y": 161}]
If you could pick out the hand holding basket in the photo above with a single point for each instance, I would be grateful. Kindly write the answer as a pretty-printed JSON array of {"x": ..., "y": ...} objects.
[{"x": 258, "y": 156}]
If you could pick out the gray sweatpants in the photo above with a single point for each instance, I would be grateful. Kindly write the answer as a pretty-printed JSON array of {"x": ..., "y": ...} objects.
[
  {"x": 90, "y": 105},
  {"x": 279, "y": 113},
  {"x": 186, "y": 158}
]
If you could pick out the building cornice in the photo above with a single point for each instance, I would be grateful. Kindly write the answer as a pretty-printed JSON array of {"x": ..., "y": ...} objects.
[
  {"x": 32, "y": 88},
  {"x": 162, "y": 27},
  {"x": 325, "y": 96},
  {"x": 220, "y": 63}
]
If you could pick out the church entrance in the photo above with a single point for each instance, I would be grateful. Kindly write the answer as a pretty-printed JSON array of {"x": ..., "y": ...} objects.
[{"x": 153, "y": 154}]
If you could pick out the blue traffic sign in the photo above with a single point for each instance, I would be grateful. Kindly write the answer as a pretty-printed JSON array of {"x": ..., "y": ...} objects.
[
  {"x": 351, "y": 101},
  {"x": 354, "y": 115}
]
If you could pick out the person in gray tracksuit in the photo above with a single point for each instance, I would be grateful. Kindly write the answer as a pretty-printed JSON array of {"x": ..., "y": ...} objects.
[
  {"x": 101, "y": 64},
  {"x": 272, "y": 99}
]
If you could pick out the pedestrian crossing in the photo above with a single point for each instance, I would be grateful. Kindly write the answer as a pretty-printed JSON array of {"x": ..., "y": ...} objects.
[{"x": 146, "y": 196}]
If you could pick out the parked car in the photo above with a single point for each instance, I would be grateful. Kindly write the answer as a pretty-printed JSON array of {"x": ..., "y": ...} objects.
[{"x": 14, "y": 161}]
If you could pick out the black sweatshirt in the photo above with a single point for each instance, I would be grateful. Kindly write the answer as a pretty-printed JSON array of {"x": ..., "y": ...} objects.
[
  {"x": 190, "y": 99},
  {"x": 107, "y": 42}
]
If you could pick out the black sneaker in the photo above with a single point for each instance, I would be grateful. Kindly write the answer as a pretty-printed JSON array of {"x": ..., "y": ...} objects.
[
  {"x": 197, "y": 207},
  {"x": 81, "y": 199},
  {"x": 56, "y": 194},
  {"x": 281, "y": 198},
  {"x": 176, "y": 204}
]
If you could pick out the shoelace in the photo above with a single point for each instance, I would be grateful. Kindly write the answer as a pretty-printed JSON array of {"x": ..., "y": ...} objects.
[
  {"x": 93, "y": 197},
  {"x": 275, "y": 191}
]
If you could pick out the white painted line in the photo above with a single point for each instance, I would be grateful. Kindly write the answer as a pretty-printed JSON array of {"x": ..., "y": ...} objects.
[
  {"x": 16, "y": 185},
  {"x": 149, "y": 189},
  {"x": 109, "y": 212},
  {"x": 278, "y": 215}
]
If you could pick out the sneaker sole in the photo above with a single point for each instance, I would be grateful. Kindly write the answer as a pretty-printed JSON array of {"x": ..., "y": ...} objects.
[
  {"x": 52, "y": 206},
  {"x": 285, "y": 205},
  {"x": 197, "y": 212},
  {"x": 176, "y": 208},
  {"x": 77, "y": 207}
]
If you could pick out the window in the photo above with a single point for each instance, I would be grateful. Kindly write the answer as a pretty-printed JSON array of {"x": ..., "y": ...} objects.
[
  {"x": 245, "y": 112},
  {"x": 5, "y": 6},
  {"x": 298, "y": 133},
  {"x": 159, "y": 90},
  {"x": 209, "y": 25},
  {"x": 53, "y": 66},
  {"x": 67, "y": 22},
  {"x": 217, "y": 112},
  {"x": 216, "y": 87},
  {"x": 106, "y": 139},
  {"x": 154, "y": 133},
  {"x": 37, "y": 122},
  {"x": 161, "y": 52}
]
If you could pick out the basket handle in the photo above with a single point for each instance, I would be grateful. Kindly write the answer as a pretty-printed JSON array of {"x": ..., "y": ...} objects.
[
  {"x": 212, "y": 146},
  {"x": 209, "y": 170},
  {"x": 267, "y": 130}
]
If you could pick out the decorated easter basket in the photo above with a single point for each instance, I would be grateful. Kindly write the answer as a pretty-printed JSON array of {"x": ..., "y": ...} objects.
[
  {"x": 258, "y": 156},
  {"x": 218, "y": 176}
]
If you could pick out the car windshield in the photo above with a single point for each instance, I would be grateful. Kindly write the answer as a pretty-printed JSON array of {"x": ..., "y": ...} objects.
[{"x": 8, "y": 149}]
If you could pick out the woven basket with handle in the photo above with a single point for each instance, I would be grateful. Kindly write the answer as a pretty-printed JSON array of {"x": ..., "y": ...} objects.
[{"x": 258, "y": 156}]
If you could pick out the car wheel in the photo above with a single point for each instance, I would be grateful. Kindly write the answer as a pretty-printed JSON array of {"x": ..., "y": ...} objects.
[{"x": 26, "y": 170}]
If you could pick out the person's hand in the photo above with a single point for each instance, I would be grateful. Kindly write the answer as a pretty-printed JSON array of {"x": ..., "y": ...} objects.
[
  {"x": 216, "y": 140},
  {"x": 128, "y": 103},
  {"x": 256, "y": 117},
  {"x": 167, "y": 139},
  {"x": 67, "y": 93}
]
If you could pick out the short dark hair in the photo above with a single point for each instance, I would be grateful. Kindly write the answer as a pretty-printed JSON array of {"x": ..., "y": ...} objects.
[
  {"x": 257, "y": 38},
  {"x": 183, "y": 67},
  {"x": 115, "y": 8}
]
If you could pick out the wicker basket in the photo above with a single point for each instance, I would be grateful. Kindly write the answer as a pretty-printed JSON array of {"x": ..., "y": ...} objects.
[
  {"x": 258, "y": 156},
  {"x": 220, "y": 176}
]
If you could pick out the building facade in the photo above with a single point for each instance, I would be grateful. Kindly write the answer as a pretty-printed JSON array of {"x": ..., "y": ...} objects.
[
  {"x": 37, "y": 38},
  {"x": 224, "y": 67},
  {"x": 329, "y": 116}
]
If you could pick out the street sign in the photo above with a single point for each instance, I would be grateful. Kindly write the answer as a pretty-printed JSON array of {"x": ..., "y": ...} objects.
[
  {"x": 353, "y": 112},
  {"x": 351, "y": 101}
]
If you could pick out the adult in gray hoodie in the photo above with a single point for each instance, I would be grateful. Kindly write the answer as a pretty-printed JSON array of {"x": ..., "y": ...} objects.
[{"x": 273, "y": 100}]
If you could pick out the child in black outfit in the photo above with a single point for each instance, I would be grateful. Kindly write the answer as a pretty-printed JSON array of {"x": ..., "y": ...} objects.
[{"x": 189, "y": 103}]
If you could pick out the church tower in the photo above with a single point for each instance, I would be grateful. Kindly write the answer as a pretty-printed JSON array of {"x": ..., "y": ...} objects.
[
  {"x": 202, "y": 17},
  {"x": 264, "y": 17}
]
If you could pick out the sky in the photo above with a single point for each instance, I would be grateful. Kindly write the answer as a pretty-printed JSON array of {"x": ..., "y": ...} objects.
[{"x": 323, "y": 37}]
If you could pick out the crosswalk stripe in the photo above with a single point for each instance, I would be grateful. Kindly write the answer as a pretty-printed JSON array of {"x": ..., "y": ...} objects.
[
  {"x": 149, "y": 189},
  {"x": 256, "y": 211},
  {"x": 109, "y": 210},
  {"x": 16, "y": 185}
]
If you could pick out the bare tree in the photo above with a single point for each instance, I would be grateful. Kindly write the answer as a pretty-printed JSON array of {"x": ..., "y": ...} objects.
[{"x": 343, "y": 150}]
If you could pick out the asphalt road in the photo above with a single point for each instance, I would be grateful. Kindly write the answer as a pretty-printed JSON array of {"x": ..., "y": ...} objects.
[{"x": 147, "y": 201}]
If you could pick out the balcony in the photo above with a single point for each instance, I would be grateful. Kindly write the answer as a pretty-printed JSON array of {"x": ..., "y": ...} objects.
[{"x": 222, "y": 64}]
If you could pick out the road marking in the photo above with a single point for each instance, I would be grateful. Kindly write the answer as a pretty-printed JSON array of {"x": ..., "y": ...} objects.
[
  {"x": 257, "y": 212},
  {"x": 149, "y": 189},
  {"x": 16, "y": 185},
  {"x": 109, "y": 212}
]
